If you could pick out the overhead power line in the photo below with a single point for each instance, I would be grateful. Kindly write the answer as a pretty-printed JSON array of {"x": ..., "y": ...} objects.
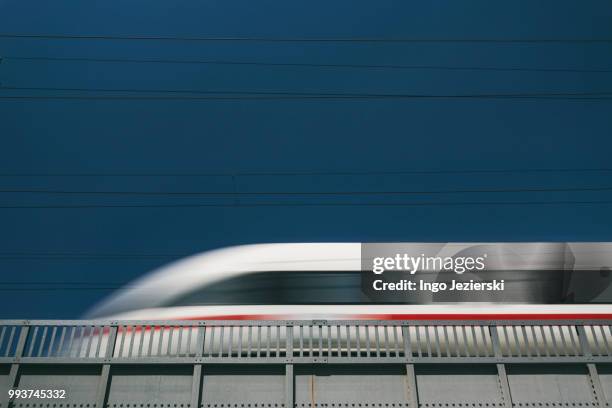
[
  {"x": 241, "y": 94},
  {"x": 303, "y": 65},
  {"x": 84, "y": 256},
  {"x": 258, "y": 96},
  {"x": 320, "y": 173},
  {"x": 26, "y": 283},
  {"x": 313, "y": 193},
  {"x": 306, "y": 204},
  {"x": 48, "y": 286},
  {"x": 298, "y": 39},
  {"x": 66, "y": 283},
  {"x": 56, "y": 289}
]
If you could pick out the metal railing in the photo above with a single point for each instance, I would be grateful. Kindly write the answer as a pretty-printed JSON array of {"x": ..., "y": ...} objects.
[{"x": 306, "y": 341}]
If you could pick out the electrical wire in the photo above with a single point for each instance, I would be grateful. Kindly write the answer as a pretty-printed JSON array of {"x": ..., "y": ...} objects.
[
  {"x": 305, "y": 204},
  {"x": 324, "y": 94},
  {"x": 84, "y": 256},
  {"x": 320, "y": 173},
  {"x": 302, "y": 65},
  {"x": 298, "y": 39},
  {"x": 316, "y": 193},
  {"x": 550, "y": 97}
]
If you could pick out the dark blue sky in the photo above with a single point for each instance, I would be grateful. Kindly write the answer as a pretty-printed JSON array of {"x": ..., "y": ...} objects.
[{"x": 169, "y": 137}]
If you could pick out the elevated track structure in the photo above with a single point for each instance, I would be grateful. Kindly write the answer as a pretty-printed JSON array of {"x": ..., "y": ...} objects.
[{"x": 313, "y": 363}]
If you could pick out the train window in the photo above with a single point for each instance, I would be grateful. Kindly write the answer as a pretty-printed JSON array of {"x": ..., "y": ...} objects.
[
  {"x": 344, "y": 287},
  {"x": 308, "y": 287}
]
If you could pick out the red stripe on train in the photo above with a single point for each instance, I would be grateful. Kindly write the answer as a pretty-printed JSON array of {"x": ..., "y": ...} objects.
[{"x": 493, "y": 316}]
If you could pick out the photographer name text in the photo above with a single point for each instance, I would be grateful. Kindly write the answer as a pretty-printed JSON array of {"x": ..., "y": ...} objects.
[{"x": 422, "y": 285}]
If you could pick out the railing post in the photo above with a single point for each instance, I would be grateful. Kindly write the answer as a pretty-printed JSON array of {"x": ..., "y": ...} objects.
[
  {"x": 502, "y": 375},
  {"x": 196, "y": 384},
  {"x": 289, "y": 377},
  {"x": 600, "y": 396},
  {"x": 102, "y": 391},
  {"x": 406, "y": 341},
  {"x": 289, "y": 397},
  {"x": 14, "y": 371},
  {"x": 593, "y": 375},
  {"x": 504, "y": 385},
  {"x": 413, "y": 395},
  {"x": 584, "y": 342}
]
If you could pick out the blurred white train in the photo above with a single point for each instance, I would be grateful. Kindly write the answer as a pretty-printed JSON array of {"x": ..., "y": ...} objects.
[
  {"x": 304, "y": 281},
  {"x": 311, "y": 284}
]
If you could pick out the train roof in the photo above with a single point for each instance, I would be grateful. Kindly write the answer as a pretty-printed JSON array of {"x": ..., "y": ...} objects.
[{"x": 173, "y": 280}]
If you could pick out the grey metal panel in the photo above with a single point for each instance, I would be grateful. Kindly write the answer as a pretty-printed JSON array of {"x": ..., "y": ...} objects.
[
  {"x": 605, "y": 377},
  {"x": 531, "y": 385},
  {"x": 4, "y": 379},
  {"x": 244, "y": 385},
  {"x": 350, "y": 384},
  {"x": 79, "y": 382},
  {"x": 152, "y": 386},
  {"x": 442, "y": 385}
]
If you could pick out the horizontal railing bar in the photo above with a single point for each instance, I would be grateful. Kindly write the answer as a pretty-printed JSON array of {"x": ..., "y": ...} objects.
[{"x": 306, "y": 360}]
